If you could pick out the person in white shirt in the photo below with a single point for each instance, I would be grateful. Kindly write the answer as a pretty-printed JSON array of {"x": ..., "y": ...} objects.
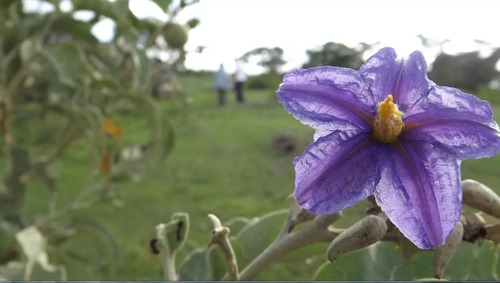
[{"x": 239, "y": 78}]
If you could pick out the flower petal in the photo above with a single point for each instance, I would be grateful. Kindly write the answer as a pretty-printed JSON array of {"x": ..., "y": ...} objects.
[
  {"x": 442, "y": 97},
  {"x": 327, "y": 99},
  {"x": 336, "y": 172},
  {"x": 458, "y": 121},
  {"x": 421, "y": 192},
  {"x": 406, "y": 79},
  {"x": 412, "y": 84},
  {"x": 381, "y": 72}
]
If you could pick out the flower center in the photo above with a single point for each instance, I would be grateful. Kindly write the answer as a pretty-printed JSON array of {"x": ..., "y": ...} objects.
[{"x": 389, "y": 121}]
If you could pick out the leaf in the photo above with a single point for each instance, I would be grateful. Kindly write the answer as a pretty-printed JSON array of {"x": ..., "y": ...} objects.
[
  {"x": 121, "y": 177},
  {"x": 11, "y": 201},
  {"x": 40, "y": 274},
  {"x": 162, "y": 137},
  {"x": 14, "y": 271},
  {"x": 112, "y": 129},
  {"x": 203, "y": 265},
  {"x": 163, "y": 4},
  {"x": 177, "y": 231},
  {"x": 70, "y": 63},
  {"x": 142, "y": 77},
  {"x": 197, "y": 267},
  {"x": 382, "y": 262},
  {"x": 473, "y": 262},
  {"x": 377, "y": 262},
  {"x": 26, "y": 49},
  {"x": 54, "y": 2},
  {"x": 193, "y": 23},
  {"x": 169, "y": 140},
  {"x": 236, "y": 224},
  {"x": 12, "y": 198},
  {"x": 258, "y": 235},
  {"x": 92, "y": 245},
  {"x": 33, "y": 244},
  {"x": 218, "y": 263},
  {"x": 185, "y": 3},
  {"x": 19, "y": 160},
  {"x": 89, "y": 118},
  {"x": 65, "y": 24},
  {"x": 113, "y": 11},
  {"x": 105, "y": 164},
  {"x": 24, "y": 28},
  {"x": 121, "y": 7}
]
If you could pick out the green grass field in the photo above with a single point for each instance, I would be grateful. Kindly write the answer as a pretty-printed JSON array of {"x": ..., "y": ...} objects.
[{"x": 224, "y": 163}]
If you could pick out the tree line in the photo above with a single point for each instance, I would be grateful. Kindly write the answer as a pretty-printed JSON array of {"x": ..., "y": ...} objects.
[{"x": 468, "y": 71}]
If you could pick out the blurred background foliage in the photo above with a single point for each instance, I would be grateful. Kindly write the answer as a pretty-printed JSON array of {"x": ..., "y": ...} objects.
[
  {"x": 62, "y": 89},
  {"x": 87, "y": 128}
]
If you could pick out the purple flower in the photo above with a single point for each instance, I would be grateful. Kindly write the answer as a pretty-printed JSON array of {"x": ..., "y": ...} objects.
[{"x": 389, "y": 131}]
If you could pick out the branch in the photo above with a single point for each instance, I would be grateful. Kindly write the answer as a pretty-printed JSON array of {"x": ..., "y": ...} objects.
[
  {"x": 13, "y": 85},
  {"x": 221, "y": 239},
  {"x": 77, "y": 203},
  {"x": 69, "y": 140}
]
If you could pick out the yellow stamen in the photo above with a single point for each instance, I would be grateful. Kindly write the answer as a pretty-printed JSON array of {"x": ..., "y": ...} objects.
[{"x": 389, "y": 121}]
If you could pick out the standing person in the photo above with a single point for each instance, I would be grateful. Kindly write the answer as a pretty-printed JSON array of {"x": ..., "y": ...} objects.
[
  {"x": 239, "y": 78},
  {"x": 221, "y": 81}
]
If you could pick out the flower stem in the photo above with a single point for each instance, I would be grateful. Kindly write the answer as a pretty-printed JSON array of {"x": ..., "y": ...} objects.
[{"x": 317, "y": 231}]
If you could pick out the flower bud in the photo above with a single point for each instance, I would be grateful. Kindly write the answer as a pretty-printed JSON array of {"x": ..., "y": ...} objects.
[
  {"x": 444, "y": 253},
  {"x": 481, "y": 197},
  {"x": 363, "y": 233}
]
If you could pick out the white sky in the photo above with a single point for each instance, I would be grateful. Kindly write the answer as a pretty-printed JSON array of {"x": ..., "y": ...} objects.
[{"x": 230, "y": 28}]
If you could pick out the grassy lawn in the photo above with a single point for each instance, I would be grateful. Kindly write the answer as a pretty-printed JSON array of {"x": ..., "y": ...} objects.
[{"x": 224, "y": 163}]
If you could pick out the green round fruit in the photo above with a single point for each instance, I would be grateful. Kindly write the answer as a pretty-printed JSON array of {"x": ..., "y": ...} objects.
[{"x": 176, "y": 35}]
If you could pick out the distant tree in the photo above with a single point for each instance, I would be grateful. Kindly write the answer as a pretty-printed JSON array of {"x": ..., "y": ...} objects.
[
  {"x": 429, "y": 42},
  {"x": 337, "y": 54},
  {"x": 467, "y": 70},
  {"x": 270, "y": 58}
]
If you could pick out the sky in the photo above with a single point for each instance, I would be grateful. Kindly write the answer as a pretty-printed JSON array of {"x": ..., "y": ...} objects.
[{"x": 230, "y": 28}]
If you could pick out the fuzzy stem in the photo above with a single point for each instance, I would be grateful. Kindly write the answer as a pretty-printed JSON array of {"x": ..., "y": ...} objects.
[
  {"x": 167, "y": 260},
  {"x": 317, "y": 231},
  {"x": 221, "y": 239}
]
